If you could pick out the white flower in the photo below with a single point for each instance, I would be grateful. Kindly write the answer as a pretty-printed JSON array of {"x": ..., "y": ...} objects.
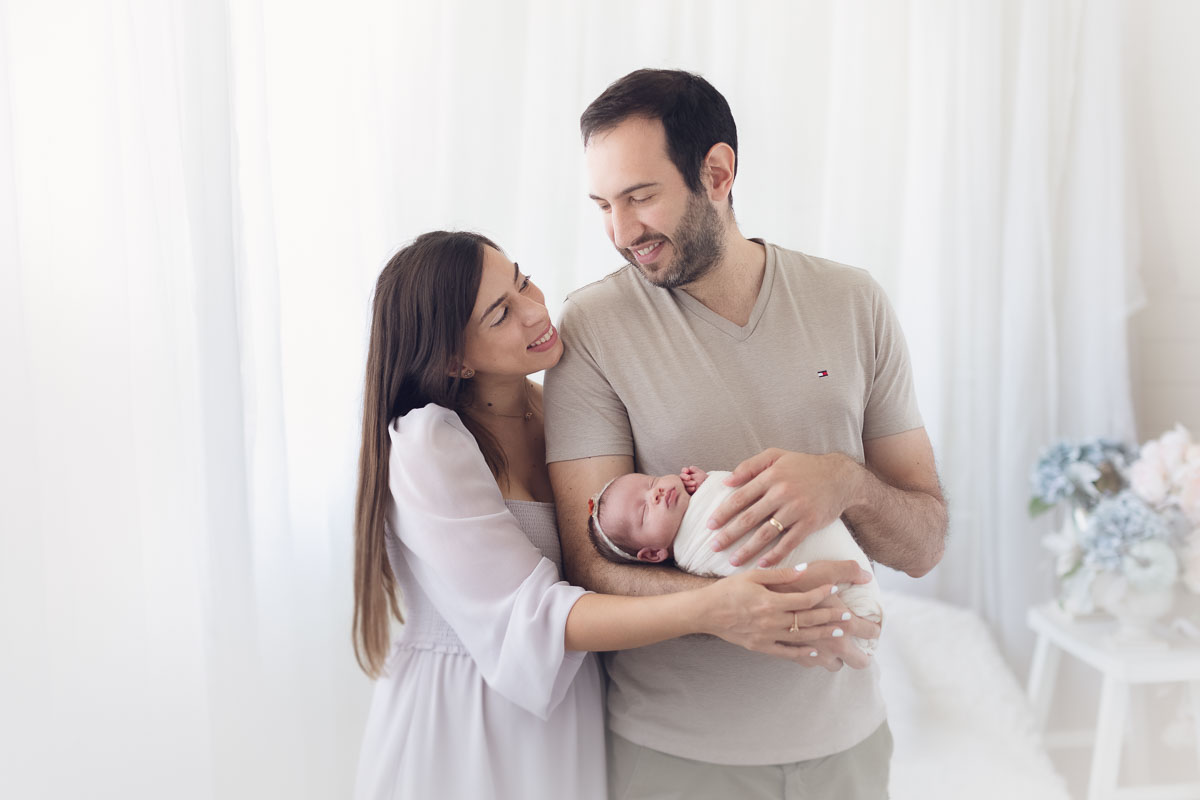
[
  {"x": 1150, "y": 565},
  {"x": 1084, "y": 476},
  {"x": 1064, "y": 544},
  {"x": 1148, "y": 475}
]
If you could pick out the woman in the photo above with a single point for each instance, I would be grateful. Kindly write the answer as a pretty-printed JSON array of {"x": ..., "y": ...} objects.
[{"x": 488, "y": 691}]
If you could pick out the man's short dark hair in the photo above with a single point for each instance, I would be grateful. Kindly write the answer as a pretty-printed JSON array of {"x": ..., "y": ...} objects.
[{"x": 693, "y": 113}]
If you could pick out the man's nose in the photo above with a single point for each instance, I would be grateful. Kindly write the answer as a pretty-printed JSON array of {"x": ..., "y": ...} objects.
[{"x": 625, "y": 227}]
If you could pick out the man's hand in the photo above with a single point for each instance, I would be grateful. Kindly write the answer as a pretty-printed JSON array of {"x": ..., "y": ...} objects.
[
  {"x": 893, "y": 505},
  {"x": 801, "y": 492}
]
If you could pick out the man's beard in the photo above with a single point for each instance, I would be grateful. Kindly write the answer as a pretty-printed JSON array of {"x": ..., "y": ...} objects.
[{"x": 698, "y": 244}]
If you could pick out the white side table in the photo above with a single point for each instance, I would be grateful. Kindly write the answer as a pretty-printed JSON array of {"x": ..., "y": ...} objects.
[{"x": 1087, "y": 640}]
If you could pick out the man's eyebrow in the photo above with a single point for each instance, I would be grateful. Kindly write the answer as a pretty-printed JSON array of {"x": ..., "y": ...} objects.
[
  {"x": 499, "y": 300},
  {"x": 629, "y": 190}
]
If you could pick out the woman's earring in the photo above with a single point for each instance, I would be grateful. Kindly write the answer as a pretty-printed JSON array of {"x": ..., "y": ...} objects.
[{"x": 468, "y": 373}]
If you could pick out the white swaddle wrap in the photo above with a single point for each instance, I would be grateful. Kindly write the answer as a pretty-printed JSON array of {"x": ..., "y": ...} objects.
[{"x": 693, "y": 551}]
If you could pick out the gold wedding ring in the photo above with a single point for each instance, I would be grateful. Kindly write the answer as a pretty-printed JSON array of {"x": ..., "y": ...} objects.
[
  {"x": 795, "y": 623},
  {"x": 778, "y": 525}
]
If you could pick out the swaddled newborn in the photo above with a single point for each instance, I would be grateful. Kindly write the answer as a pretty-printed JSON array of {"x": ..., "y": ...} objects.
[{"x": 638, "y": 517}]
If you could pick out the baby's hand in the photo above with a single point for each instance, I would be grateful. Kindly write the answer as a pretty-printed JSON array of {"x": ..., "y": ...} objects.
[{"x": 692, "y": 477}]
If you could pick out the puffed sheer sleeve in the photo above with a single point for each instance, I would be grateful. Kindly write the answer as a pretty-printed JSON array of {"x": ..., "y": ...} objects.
[{"x": 503, "y": 599}]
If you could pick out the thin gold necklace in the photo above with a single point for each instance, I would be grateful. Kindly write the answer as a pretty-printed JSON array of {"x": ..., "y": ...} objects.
[{"x": 528, "y": 415}]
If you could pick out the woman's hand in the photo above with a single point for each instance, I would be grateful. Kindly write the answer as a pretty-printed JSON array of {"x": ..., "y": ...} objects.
[
  {"x": 843, "y": 650},
  {"x": 786, "y": 613}
]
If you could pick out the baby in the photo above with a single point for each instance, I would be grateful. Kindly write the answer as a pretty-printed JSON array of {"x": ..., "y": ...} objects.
[{"x": 638, "y": 517}]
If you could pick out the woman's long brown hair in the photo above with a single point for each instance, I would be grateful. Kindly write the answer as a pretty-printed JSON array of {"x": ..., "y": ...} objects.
[{"x": 423, "y": 300}]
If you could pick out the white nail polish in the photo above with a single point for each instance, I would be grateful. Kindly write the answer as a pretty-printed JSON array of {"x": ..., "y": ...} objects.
[
  {"x": 834, "y": 590},
  {"x": 845, "y": 616},
  {"x": 838, "y": 632},
  {"x": 813, "y": 654},
  {"x": 801, "y": 567}
]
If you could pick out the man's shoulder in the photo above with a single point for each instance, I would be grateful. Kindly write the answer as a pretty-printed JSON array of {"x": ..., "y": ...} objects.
[
  {"x": 613, "y": 306},
  {"x": 824, "y": 281},
  {"x": 613, "y": 287},
  {"x": 823, "y": 270}
]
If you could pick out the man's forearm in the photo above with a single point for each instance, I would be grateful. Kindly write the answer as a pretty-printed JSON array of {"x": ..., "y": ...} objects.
[{"x": 903, "y": 528}]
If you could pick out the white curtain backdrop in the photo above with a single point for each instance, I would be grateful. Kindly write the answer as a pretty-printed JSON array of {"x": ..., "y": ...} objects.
[{"x": 195, "y": 199}]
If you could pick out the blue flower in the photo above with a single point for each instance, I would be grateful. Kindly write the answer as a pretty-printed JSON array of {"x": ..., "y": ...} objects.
[
  {"x": 1117, "y": 524},
  {"x": 1050, "y": 479},
  {"x": 1102, "y": 450},
  {"x": 1082, "y": 472}
]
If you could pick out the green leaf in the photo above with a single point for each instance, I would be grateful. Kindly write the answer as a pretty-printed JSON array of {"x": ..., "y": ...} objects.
[{"x": 1038, "y": 506}]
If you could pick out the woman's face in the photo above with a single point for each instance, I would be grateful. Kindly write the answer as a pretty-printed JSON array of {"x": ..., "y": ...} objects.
[{"x": 510, "y": 332}]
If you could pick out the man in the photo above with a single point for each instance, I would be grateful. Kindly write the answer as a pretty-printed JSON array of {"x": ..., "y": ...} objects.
[{"x": 713, "y": 349}]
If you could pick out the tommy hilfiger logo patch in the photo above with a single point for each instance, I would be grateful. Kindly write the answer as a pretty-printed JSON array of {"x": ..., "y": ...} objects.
[{"x": 823, "y": 373}]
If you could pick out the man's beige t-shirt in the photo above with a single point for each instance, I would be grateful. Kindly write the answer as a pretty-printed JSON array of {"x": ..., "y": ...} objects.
[{"x": 653, "y": 373}]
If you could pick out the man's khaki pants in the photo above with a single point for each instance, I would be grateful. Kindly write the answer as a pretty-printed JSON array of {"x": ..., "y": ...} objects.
[{"x": 640, "y": 773}]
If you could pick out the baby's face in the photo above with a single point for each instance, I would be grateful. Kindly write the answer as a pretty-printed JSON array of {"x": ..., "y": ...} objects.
[{"x": 643, "y": 513}]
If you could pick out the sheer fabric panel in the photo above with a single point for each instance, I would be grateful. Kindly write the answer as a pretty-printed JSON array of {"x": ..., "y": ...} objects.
[{"x": 196, "y": 198}]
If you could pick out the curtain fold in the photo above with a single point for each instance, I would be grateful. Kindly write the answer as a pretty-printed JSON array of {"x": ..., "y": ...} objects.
[{"x": 195, "y": 200}]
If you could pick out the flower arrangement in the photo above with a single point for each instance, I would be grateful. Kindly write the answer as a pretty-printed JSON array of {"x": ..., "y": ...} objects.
[
  {"x": 1129, "y": 522},
  {"x": 1167, "y": 477}
]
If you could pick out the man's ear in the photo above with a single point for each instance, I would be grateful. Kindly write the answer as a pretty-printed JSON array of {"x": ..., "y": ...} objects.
[
  {"x": 718, "y": 167},
  {"x": 654, "y": 555}
]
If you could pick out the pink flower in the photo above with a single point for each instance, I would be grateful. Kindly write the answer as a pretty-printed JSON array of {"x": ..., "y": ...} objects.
[
  {"x": 1174, "y": 446},
  {"x": 1148, "y": 477},
  {"x": 1189, "y": 496},
  {"x": 1191, "y": 464}
]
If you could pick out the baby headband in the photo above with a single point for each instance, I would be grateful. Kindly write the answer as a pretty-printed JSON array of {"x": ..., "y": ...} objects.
[{"x": 594, "y": 513}]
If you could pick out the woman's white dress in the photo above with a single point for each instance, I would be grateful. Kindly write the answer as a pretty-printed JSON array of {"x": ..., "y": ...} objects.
[{"x": 480, "y": 698}]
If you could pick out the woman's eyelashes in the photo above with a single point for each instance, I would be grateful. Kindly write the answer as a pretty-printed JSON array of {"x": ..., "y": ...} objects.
[{"x": 522, "y": 286}]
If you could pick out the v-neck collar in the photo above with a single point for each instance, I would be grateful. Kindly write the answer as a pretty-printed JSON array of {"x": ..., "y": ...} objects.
[{"x": 738, "y": 333}]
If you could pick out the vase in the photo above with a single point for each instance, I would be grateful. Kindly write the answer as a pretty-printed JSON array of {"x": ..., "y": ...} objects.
[{"x": 1136, "y": 610}]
